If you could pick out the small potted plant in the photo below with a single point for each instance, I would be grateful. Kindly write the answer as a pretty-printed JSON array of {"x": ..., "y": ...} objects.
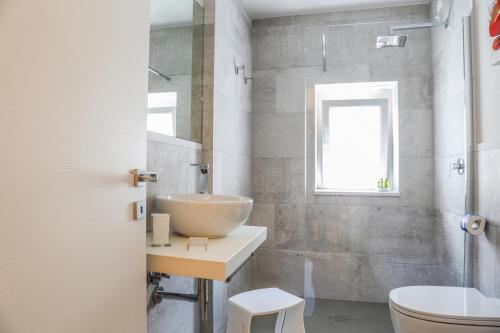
[{"x": 383, "y": 185}]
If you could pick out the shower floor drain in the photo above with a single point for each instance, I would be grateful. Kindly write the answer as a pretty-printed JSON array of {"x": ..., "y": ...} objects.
[{"x": 341, "y": 319}]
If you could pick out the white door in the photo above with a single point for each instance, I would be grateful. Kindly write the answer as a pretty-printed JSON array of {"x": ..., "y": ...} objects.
[{"x": 73, "y": 86}]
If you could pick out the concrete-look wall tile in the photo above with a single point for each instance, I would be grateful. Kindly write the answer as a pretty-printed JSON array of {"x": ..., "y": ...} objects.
[
  {"x": 278, "y": 180},
  {"x": 269, "y": 182},
  {"x": 337, "y": 275},
  {"x": 290, "y": 88},
  {"x": 351, "y": 242},
  {"x": 263, "y": 215},
  {"x": 403, "y": 231},
  {"x": 341, "y": 275},
  {"x": 448, "y": 91},
  {"x": 232, "y": 121},
  {"x": 264, "y": 91},
  {"x": 290, "y": 227},
  {"x": 291, "y": 44},
  {"x": 417, "y": 91},
  {"x": 283, "y": 269},
  {"x": 446, "y": 121},
  {"x": 175, "y": 176},
  {"x": 266, "y": 53},
  {"x": 497, "y": 265},
  {"x": 175, "y": 173},
  {"x": 484, "y": 261},
  {"x": 487, "y": 194},
  {"x": 166, "y": 317},
  {"x": 236, "y": 175},
  {"x": 450, "y": 240},
  {"x": 314, "y": 45},
  {"x": 381, "y": 274},
  {"x": 410, "y": 13},
  {"x": 416, "y": 133},
  {"x": 447, "y": 62},
  {"x": 416, "y": 181},
  {"x": 171, "y": 50},
  {"x": 278, "y": 135},
  {"x": 449, "y": 189},
  {"x": 337, "y": 73},
  {"x": 327, "y": 229}
]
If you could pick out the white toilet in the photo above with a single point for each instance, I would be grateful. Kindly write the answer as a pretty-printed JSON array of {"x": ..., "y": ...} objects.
[{"x": 428, "y": 309}]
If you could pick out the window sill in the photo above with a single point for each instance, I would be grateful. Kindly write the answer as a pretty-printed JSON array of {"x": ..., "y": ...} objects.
[{"x": 367, "y": 193}]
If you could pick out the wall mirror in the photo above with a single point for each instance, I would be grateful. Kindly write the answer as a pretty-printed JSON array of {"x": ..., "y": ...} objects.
[{"x": 176, "y": 69}]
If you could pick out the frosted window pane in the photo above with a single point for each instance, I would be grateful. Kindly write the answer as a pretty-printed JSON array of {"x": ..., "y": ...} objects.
[
  {"x": 351, "y": 153},
  {"x": 162, "y": 100},
  {"x": 161, "y": 123}
]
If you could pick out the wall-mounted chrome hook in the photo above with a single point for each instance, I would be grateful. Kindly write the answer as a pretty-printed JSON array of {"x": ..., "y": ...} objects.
[
  {"x": 237, "y": 69},
  {"x": 246, "y": 79},
  {"x": 458, "y": 166},
  {"x": 323, "y": 44}
]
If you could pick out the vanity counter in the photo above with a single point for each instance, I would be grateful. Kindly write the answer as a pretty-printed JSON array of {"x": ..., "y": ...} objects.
[{"x": 219, "y": 261}]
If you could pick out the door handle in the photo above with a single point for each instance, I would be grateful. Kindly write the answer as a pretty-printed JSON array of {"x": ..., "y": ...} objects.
[{"x": 141, "y": 177}]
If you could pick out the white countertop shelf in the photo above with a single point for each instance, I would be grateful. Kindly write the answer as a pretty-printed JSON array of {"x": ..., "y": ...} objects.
[{"x": 221, "y": 259}]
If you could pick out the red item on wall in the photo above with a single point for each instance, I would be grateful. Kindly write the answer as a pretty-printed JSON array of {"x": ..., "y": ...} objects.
[
  {"x": 496, "y": 44},
  {"x": 495, "y": 19}
]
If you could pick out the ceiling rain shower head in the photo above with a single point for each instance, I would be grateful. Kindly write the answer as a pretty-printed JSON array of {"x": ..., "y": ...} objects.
[{"x": 391, "y": 41}]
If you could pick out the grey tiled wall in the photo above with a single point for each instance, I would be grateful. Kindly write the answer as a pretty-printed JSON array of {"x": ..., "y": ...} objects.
[
  {"x": 359, "y": 248},
  {"x": 449, "y": 141},
  {"x": 232, "y": 99},
  {"x": 486, "y": 254},
  {"x": 232, "y": 104},
  {"x": 447, "y": 55},
  {"x": 175, "y": 176}
]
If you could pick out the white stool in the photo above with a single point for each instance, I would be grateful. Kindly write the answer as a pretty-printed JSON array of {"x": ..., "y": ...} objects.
[{"x": 242, "y": 307}]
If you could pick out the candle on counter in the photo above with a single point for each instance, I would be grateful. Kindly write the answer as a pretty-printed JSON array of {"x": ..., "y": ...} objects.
[{"x": 161, "y": 229}]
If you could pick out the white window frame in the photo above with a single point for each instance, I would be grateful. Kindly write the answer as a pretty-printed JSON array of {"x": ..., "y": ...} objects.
[{"x": 382, "y": 94}]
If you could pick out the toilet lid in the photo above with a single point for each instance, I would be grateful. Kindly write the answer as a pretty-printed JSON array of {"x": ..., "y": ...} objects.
[{"x": 446, "y": 302}]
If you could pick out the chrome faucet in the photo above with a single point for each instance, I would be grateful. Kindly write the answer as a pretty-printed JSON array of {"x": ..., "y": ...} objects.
[{"x": 203, "y": 180}]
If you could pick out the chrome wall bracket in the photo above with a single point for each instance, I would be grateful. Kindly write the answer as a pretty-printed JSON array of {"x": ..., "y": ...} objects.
[
  {"x": 247, "y": 78},
  {"x": 237, "y": 69},
  {"x": 155, "y": 278},
  {"x": 323, "y": 49},
  {"x": 458, "y": 166},
  {"x": 201, "y": 297},
  {"x": 159, "y": 294}
]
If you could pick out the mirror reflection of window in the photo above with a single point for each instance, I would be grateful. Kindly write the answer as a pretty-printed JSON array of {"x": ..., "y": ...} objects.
[
  {"x": 161, "y": 112},
  {"x": 175, "y": 67}
]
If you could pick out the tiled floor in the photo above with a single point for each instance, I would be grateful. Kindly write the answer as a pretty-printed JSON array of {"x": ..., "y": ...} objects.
[{"x": 331, "y": 316}]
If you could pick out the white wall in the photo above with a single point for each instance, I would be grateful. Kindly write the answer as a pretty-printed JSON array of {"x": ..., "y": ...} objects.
[
  {"x": 486, "y": 260},
  {"x": 232, "y": 99},
  {"x": 449, "y": 136},
  {"x": 171, "y": 158},
  {"x": 72, "y": 126},
  {"x": 231, "y": 125},
  {"x": 487, "y": 79}
]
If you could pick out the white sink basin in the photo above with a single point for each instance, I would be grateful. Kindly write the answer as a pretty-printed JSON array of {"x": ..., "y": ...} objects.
[{"x": 205, "y": 215}]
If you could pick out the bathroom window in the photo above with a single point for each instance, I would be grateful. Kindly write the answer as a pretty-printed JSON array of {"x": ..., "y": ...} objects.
[
  {"x": 161, "y": 112},
  {"x": 357, "y": 138}
]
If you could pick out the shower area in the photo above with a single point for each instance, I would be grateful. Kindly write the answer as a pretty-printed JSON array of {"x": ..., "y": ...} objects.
[{"x": 360, "y": 188}]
